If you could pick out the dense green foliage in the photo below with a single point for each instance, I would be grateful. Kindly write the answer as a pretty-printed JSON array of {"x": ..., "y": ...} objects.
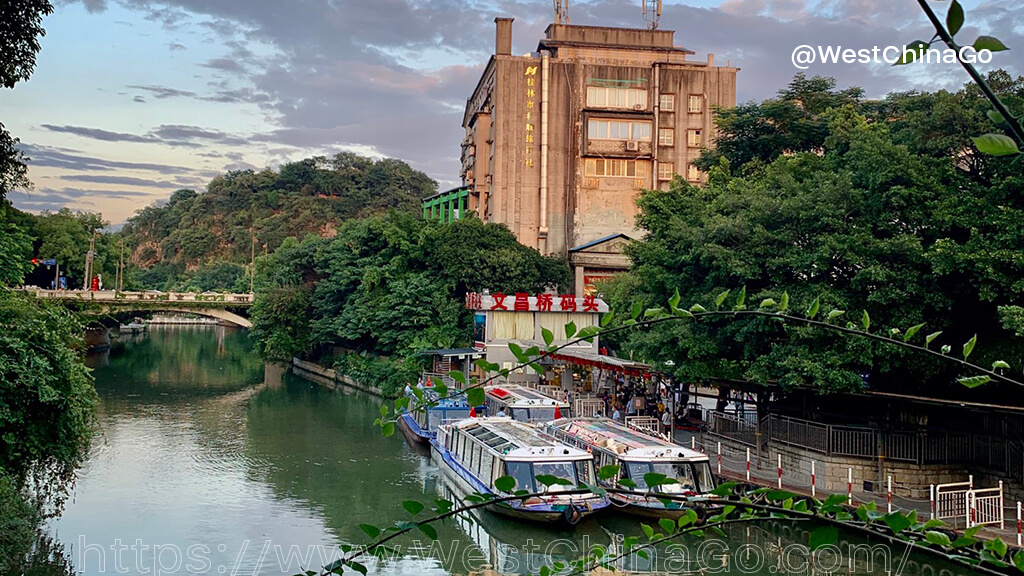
[
  {"x": 46, "y": 392},
  {"x": 878, "y": 206},
  {"x": 189, "y": 242},
  {"x": 390, "y": 285}
]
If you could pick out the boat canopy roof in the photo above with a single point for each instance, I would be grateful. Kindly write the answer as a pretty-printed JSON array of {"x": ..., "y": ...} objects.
[
  {"x": 627, "y": 443},
  {"x": 521, "y": 396},
  {"x": 518, "y": 441}
]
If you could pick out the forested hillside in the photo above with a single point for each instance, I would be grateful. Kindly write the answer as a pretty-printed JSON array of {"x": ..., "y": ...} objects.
[{"x": 202, "y": 240}]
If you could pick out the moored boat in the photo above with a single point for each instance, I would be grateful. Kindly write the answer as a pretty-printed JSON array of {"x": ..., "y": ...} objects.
[
  {"x": 524, "y": 404},
  {"x": 637, "y": 454},
  {"x": 473, "y": 453},
  {"x": 419, "y": 423}
]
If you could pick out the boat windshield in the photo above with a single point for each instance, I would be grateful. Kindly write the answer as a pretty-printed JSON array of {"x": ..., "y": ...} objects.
[
  {"x": 526, "y": 474},
  {"x": 533, "y": 414},
  {"x": 692, "y": 476}
]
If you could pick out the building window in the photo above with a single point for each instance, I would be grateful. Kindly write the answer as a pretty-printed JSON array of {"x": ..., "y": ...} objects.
[
  {"x": 668, "y": 103},
  {"x": 602, "y": 97},
  {"x": 666, "y": 136},
  {"x": 695, "y": 103},
  {"x": 616, "y": 168},
  {"x": 666, "y": 170},
  {"x": 693, "y": 138},
  {"x": 692, "y": 173},
  {"x": 618, "y": 130}
]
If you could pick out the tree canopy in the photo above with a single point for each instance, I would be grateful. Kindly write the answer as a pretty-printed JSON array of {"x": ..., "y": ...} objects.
[
  {"x": 389, "y": 285},
  {"x": 874, "y": 213}
]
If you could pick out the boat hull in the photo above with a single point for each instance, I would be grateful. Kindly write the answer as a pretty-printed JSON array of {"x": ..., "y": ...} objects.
[
  {"x": 416, "y": 436},
  {"x": 651, "y": 507}
]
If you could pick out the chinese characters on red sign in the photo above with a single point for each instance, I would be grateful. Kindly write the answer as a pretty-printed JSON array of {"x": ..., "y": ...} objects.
[{"x": 522, "y": 302}]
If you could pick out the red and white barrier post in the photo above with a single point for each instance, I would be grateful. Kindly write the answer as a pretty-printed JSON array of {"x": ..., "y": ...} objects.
[
  {"x": 719, "y": 457},
  {"x": 748, "y": 464},
  {"x": 780, "y": 470},
  {"x": 1018, "y": 524},
  {"x": 814, "y": 483},
  {"x": 888, "y": 495},
  {"x": 849, "y": 485}
]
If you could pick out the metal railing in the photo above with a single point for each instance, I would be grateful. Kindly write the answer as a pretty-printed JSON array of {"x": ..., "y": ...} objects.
[
  {"x": 117, "y": 296},
  {"x": 1001, "y": 455},
  {"x": 646, "y": 424},
  {"x": 444, "y": 378},
  {"x": 951, "y": 500},
  {"x": 588, "y": 407},
  {"x": 986, "y": 506}
]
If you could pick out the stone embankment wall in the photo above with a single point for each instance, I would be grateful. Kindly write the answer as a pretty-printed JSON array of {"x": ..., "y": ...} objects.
[{"x": 329, "y": 378}]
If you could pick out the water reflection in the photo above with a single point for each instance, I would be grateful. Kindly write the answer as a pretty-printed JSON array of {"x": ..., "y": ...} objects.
[{"x": 208, "y": 462}]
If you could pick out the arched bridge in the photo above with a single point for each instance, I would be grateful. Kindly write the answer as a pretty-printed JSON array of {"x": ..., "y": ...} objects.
[{"x": 211, "y": 304}]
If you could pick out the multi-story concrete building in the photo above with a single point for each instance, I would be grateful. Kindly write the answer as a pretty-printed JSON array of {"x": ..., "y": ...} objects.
[{"x": 560, "y": 142}]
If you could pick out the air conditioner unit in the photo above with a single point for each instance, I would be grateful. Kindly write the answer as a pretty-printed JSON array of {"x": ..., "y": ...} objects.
[
  {"x": 639, "y": 107},
  {"x": 632, "y": 145}
]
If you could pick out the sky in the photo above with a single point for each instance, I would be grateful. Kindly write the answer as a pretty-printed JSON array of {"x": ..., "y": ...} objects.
[{"x": 133, "y": 99}]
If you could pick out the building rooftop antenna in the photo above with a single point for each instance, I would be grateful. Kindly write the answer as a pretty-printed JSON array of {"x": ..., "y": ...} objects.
[
  {"x": 651, "y": 10},
  {"x": 561, "y": 11}
]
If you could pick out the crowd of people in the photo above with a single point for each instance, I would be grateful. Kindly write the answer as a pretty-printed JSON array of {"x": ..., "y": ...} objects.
[{"x": 668, "y": 402}]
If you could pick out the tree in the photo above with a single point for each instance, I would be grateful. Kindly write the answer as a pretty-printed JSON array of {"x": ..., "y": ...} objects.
[
  {"x": 20, "y": 29},
  {"x": 390, "y": 285},
  {"x": 877, "y": 218}
]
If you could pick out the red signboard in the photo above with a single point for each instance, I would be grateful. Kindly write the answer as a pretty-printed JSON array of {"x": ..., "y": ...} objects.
[{"x": 522, "y": 302}]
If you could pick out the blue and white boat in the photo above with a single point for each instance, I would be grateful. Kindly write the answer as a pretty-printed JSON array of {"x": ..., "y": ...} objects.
[
  {"x": 524, "y": 404},
  {"x": 473, "y": 453},
  {"x": 419, "y": 424},
  {"x": 637, "y": 454}
]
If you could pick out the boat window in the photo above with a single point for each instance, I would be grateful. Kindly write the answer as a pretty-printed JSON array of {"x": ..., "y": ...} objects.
[
  {"x": 683, "y": 472},
  {"x": 583, "y": 471},
  {"x": 475, "y": 464},
  {"x": 705, "y": 480},
  {"x": 485, "y": 466},
  {"x": 521, "y": 414},
  {"x": 542, "y": 414},
  {"x": 565, "y": 470},
  {"x": 522, "y": 472}
]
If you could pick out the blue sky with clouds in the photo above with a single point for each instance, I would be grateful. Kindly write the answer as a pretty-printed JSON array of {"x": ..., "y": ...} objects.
[{"x": 133, "y": 99}]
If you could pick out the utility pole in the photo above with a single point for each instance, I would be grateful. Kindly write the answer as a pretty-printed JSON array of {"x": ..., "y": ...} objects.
[
  {"x": 120, "y": 270},
  {"x": 56, "y": 277},
  {"x": 86, "y": 284},
  {"x": 252, "y": 267}
]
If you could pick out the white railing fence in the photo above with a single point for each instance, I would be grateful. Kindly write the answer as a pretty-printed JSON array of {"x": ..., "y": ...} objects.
[
  {"x": 645, "y": 424},
  {"x": 588, "y": 407},
  {"x": 950, "y": 500},
  {"x": 986, "y": 507}
]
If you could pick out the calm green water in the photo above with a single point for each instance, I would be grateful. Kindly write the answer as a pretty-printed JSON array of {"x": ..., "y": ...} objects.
[{"x": 211, "y": 463}]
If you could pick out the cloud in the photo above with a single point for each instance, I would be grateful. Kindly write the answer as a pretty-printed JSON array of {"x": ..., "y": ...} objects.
[
  {"x": 168, "y": 135},
  {"x": 164, "y": 91},
  {"x": 45, "y": 156},
  {"x": 392, "y": 76},
  {"x": 176, "y": 47},
  {"x": 125, "y": 181}
]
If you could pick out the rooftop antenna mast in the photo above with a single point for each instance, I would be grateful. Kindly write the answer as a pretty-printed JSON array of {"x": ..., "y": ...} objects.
[
  {"x": 561, "y": 11},
  {"x": 652, "y": 13}
]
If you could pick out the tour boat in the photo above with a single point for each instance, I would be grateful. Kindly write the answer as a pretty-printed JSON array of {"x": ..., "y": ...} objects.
[
  {"x": 473, "y": 453},
  {"x": 524, "y": 404},
  {"x": 637, "y": 454},
  {"x": 419, "y": 425}
]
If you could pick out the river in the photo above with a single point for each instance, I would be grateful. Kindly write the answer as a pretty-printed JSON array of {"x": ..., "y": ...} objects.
[{"x": 209, "y": 462}]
